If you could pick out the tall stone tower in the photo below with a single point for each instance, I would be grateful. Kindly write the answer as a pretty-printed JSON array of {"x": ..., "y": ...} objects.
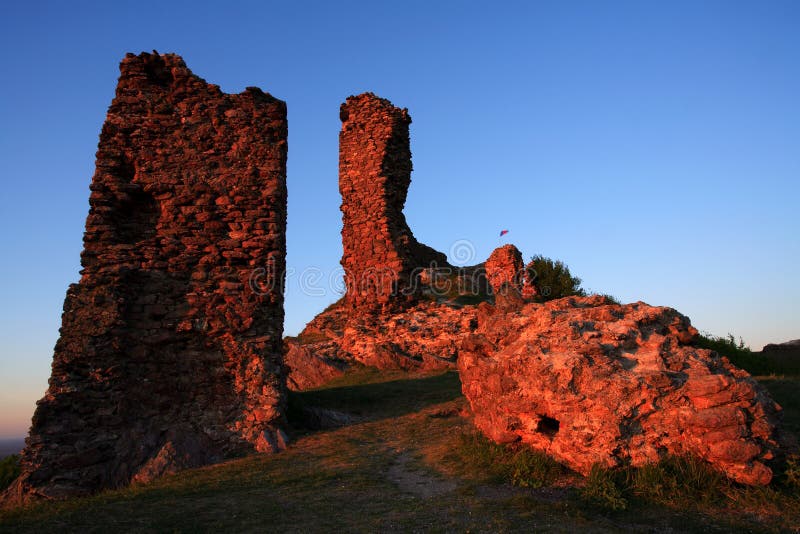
[
  {"x": 381, "y": 257},
  {"x": 170, "y": 348}
]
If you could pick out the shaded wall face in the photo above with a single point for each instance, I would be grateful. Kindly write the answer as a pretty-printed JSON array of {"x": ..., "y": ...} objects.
[
  {"x": 381, "y": 255},
  {"x": 165, "y": 344}
]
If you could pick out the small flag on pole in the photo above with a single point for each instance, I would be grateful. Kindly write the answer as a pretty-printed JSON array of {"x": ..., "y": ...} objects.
[{"x": 503, "y": 232}]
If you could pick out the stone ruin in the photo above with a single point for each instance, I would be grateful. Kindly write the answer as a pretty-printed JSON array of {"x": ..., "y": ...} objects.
[
  {"x": 581, "y": 378},
  {"x": 168, "y": 358},
  {"x": 505, "y": 269},
  {"x": 384, "y": 319},
  {"x": 589, "y": 381},
  {"x": 381, "y": 258},
  {"x": 169, "y": 355}
]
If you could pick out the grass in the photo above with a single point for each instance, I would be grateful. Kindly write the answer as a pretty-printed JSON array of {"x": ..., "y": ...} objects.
[
  {"x": 379, "y": 394},
  {"x": 517, "y": 465},
  {"x": 361, "y": 477},
  {"x": 681, "y": 481},
  {"x": 792, "y": 473},
  {"x": 603, "y": 491}
]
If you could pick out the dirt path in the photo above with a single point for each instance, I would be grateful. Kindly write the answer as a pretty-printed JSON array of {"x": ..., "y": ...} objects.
[{"x": 417, "y": 480}]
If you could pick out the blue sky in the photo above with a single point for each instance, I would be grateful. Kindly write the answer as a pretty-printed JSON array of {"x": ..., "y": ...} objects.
[{"x": 652, "y": 146}]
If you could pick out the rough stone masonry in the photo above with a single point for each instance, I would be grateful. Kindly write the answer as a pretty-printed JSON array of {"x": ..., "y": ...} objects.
[
  {"x": 168, "y": 358},
  {"x": 381, "y": 320},
  {"x": 381, "y": 257}
]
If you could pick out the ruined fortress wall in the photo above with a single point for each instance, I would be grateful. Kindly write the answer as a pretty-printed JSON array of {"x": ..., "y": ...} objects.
[
  {"x": 380, "y": 252},
  {"x": 505, "y": 266},
  {"x": 168, "y": 357}
]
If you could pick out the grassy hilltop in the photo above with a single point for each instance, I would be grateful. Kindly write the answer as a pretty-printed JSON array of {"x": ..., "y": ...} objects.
[{"x": 405, "y": 460}]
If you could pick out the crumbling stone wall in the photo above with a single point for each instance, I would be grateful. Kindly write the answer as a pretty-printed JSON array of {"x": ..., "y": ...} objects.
[
  {"x": 504, "y": 268},
  {"x": 168, "y": 358},
  {"x": 381, "y": 256}
]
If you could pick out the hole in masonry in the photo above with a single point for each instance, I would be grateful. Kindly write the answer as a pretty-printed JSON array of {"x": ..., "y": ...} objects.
[{"x": 547, "y": 426}]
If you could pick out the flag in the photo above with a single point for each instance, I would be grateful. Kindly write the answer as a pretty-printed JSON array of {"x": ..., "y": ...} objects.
[{"x": 503, "y": 232}]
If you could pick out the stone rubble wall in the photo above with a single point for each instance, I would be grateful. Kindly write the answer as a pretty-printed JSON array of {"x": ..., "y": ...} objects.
[
  {"x": 169, "y": 357},
  {"x": 381, "y": 257}
]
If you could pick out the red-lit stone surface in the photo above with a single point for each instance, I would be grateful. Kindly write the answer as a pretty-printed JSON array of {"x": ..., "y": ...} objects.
[
  {"x": 381, "y": 321},
  {"x": 422, "y": 337},
  {"x": 587, "y": 382},
  {"x": 381, "y": 257},
  {"x": 505, "y": 266},
  {"x": 167, "y": 357}
]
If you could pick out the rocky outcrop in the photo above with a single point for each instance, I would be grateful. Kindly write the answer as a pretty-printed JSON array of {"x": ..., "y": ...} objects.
[
  {"x": 423, "y": 337},
  {"x": 504, "y": 268},
  {"x": 381, "y": 259},
  {"x": 506, "y": 275},
  {"x": 589, "y": 382},
  {"x": 314, "y": 357},
  {"x": 389, "y": 317},
  {"x": 169, "y": 356}
]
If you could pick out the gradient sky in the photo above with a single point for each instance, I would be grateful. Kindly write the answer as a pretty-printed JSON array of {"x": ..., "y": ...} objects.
[{"x": 652, "y": 146}]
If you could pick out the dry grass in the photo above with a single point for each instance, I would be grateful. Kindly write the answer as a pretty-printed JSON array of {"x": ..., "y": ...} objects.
[{"x": 409, "y": 465}]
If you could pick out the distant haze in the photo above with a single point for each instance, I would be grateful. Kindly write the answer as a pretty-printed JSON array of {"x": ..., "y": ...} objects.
[{"x": 11, "y": 446}]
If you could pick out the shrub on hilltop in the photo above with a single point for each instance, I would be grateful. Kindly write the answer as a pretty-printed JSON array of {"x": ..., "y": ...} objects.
[
  {"x": 553, "y": 279},
  {"x": 737, "y": 352}
]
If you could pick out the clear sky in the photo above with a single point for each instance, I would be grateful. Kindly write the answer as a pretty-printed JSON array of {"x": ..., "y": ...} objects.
[{"x": 652, "y": 146}]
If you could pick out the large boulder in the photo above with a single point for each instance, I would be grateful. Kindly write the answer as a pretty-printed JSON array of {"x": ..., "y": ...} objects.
[{"x": 591, "y": 382}]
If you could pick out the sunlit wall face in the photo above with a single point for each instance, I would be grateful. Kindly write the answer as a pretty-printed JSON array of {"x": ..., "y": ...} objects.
[{"x": 653, "y": 147}]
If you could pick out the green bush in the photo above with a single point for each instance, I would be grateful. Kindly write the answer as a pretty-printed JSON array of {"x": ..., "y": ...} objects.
[
  {"x": 9, "y": 470},
  {"x": 738, "y": 353},
  {"x": 553, "y": 279},
  {"x": 611, "y": 298}
]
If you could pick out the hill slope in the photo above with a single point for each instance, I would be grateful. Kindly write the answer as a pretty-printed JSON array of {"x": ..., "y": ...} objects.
[{"x": 406, "y": 460}]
